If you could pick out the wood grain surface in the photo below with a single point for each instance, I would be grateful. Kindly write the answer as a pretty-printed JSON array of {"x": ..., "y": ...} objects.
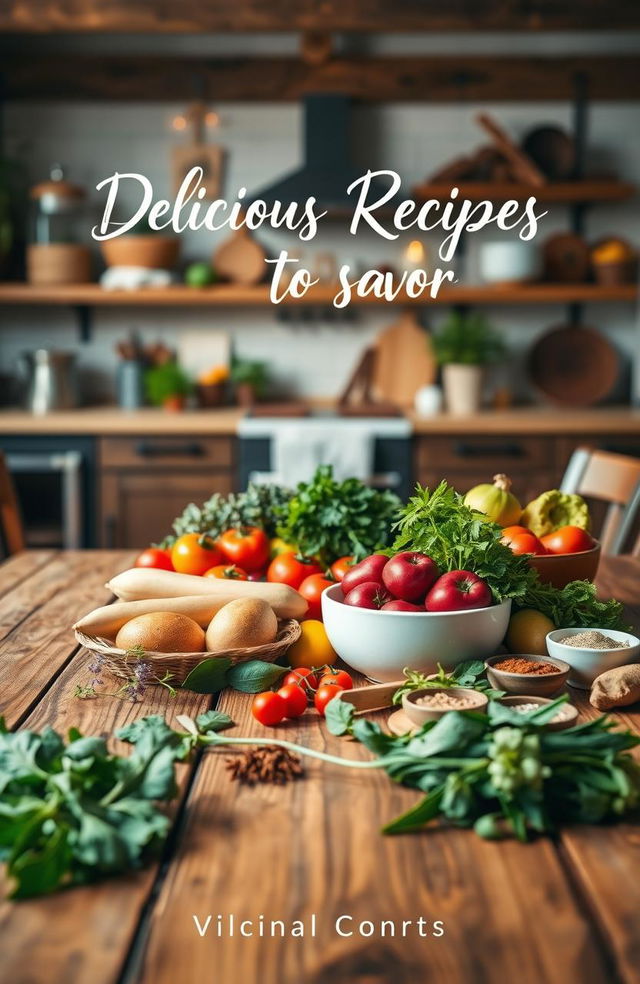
[{"x": 551, "y": 911}]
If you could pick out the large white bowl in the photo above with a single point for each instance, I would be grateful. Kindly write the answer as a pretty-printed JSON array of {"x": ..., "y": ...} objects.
[
  {"x": 587, "y": 664},
  {"x": 380, "y": 644}
]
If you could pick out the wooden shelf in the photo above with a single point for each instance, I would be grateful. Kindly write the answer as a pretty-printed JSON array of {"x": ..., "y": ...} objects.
[
  {"x": 566, "y": 192},
  {"x": 232, "y": 295}
]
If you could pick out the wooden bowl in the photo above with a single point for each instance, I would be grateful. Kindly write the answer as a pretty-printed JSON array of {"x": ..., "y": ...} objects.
[
  {"x": 151, "y": 252},
  {"x": 527, "y": 684},
  {"x": 553, "y": 150},
  {"x": 573, "y": 365},
  {"x": 419, "y": 714},
  {"x": 560, "y": 569},
  {"x": 568, "y": 722}
]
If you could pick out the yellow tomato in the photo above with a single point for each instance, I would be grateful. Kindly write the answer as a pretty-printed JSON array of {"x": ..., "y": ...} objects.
[
  {"x": 279, "y": 546},
  {"x": 313, "y": 647},
  {"x": 527, "y": 632}
]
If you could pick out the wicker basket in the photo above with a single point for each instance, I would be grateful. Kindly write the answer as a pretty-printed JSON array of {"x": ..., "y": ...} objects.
[{"x": 179, "y": 665}]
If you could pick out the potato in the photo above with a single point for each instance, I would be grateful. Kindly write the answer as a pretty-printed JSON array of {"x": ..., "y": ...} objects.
[
  {"x": 242, "y": 623},
  {"x": 162, "y": 632}
]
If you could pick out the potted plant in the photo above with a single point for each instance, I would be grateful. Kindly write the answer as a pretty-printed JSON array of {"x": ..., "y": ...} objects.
[
  {"x": 465, "y": 345},
  {"x": 249, "y": 379},
  {"x": 167, "y": 385}
]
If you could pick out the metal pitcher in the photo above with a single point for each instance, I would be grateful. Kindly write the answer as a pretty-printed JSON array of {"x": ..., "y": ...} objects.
[{"x": 51, "y": 382}]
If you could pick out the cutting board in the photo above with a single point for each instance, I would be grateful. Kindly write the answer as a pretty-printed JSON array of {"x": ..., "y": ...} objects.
[
  {"x": 240, "y": 259},
  {"x": 404, "y": 362}
]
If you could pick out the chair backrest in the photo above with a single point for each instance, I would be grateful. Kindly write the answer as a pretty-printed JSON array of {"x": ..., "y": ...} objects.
[
  {"x": 610, "y": 478},
  {"x": 10, "y": 519}
]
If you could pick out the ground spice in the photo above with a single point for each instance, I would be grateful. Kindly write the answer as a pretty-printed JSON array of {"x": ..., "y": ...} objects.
[
  {"x": 269, "y": 764},
  {"x": 517, "y": 664},
  {"x": 593, "y": 639}
]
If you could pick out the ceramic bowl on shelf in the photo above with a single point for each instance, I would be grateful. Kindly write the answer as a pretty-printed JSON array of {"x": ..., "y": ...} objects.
[
  {"x": 560, "y": 569},
  {"x": 586, "y": 664},
  {"x": 527, "y": 684},
  {"x": 381, "y": 644}
]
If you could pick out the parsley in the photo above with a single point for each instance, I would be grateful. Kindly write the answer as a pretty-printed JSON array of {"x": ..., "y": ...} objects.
[{"x": 576, "y": 606}]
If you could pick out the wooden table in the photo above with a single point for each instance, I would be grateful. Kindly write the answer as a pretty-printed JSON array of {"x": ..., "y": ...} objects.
[{"x": 561, "y": 911}]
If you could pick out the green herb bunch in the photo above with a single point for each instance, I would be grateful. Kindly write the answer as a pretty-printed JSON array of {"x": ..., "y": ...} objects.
[
  {"x": 260, "y": 505},
  {"x": 470, "y": 675},
  {"x": 575, "y": 606},
  {"x": 438, "y": 523},
  {"x": 467, "y": 339},
  {"x": 502, "y": 772},
  {"x": 165, "y": 381},
  {"x": 330, "y": 519}
]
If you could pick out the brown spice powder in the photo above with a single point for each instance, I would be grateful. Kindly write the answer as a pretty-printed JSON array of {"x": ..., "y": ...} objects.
[
  {"x": 270, "y": 764},
  {"x": 516, "y": 664}
]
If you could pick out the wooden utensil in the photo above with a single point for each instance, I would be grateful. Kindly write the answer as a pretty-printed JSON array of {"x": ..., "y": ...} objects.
[
  {"x": 523, "y": 167},
  {"x": 374, "y": 697},
  {"x": 553, "y": 150},
  {"x": 240, "y": 259},
  {"x": 356, "y": 399},
  {"x": 573, "y": 365},
  {"x": 404, "y": 362}
]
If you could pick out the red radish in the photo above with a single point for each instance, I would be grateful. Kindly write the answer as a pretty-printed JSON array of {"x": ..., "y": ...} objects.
[
  {"x": 409, "y": 575},
  {"x": 397, "y": 605},
  {"x": 369, "y": 569},
  {"x": 458, "y": 591},
  {"x": 368, "y": 595}
]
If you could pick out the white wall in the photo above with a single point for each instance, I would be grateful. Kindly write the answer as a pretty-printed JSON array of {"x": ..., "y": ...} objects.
[{"x": 263, "y": 142}]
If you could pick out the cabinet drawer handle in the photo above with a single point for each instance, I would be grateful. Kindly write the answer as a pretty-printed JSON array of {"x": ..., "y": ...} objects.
[
  {"x": 190, "y": 449},
  {"x": 507, "y": 450}
]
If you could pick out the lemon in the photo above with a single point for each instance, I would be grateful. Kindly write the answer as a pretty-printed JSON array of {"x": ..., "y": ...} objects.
[
  {"x": 313, "y": 647},
  {"x": 279, "y": 546},
  {"x": 527, "y": 632}
]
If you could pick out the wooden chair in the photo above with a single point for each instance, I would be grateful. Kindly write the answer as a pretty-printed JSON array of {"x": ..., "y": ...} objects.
[
  {"x": 10, "y": 519},
  {"x": 610, "y": 478}
]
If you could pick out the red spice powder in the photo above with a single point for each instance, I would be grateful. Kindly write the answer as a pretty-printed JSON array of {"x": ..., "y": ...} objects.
[{"x": 516, "y": 664}]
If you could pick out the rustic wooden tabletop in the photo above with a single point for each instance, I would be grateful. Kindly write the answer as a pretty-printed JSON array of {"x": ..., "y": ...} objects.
[{"x": 562, "y": 910}]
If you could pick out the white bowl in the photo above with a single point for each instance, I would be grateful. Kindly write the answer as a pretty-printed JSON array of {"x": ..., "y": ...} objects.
[
  {"x": 587, "y": 664},
  {"x": 380, "y": 644}
]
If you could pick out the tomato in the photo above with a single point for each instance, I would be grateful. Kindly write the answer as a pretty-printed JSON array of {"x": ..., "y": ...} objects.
[
  {"x": 279, "y": 546},
  {"x": 195, "y": 553},
  {"x": 311, "y": 589},
  {"x": 324, "y": 694},
  {"x": 291, "y": 569},
  {"x": 295, "y": 700},
  {"x": 227, "y": 572},
  {"x": 302, "y": 677},
  {"x": 312, "y": 648},
  {"x": 522, "y": 540},
  {"x": 338, "y": 677},
  {"x": 340, "y": 566},
  {"x": 247, "y": 547},
  {"x": 567, "y": 540},
  {"x": 268, "y": 708},
  {"x": 154, "y": 557}
]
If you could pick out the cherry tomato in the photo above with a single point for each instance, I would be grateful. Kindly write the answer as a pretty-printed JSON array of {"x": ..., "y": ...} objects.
[
  {"x": 227, "y": 572},
  {"x": 568, "y": 539},
  {"x": 154, "y": 557},
  {"x": 324, "y": 694},
  {"x": 311, "y": 589},
  {"x": 340, "y": 566},
  {"x": 268, "y": 708},
  {"x": 195, "y": 553},
  {"x": 292, "y": 569},
  {"x": 295, "y": 700},
  {"x": 247, "y": 547},
  {"x": 338, "y": 677},
  {"x": 302, "y": 677},
  {"x": 522, "y": 541}
]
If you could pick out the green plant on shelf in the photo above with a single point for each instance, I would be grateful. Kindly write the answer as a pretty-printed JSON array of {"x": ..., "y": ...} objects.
[
  {"x": 245, "y": 372},
  {"x": 166, "y": 382},
  {"x": 467, "y": 338}
]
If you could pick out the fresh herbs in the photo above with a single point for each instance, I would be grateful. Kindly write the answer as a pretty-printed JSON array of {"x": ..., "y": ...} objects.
[
  {"x": 437, "y": 523},
  {"x": 501, "y": 772},
  {"x": 261, "y": 505},
  {"x": 329, "y": 519},
  {"x": 471, "y": 675},
  {"x": 71, "y": 813},
  {"x": 215, "y": 673},
  {"x": 575, "y": 606}
]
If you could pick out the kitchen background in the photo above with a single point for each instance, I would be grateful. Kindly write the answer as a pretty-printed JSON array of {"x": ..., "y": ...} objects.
[{"x": 310, "y": 352}]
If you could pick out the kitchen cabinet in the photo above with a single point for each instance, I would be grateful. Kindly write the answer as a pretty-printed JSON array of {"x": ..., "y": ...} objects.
[{"x": 145, "y": 482}]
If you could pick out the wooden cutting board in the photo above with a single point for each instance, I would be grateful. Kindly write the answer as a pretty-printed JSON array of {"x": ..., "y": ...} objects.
[
  {"x": 240, "y": 259},
  {"x": 404, "y": 362}
]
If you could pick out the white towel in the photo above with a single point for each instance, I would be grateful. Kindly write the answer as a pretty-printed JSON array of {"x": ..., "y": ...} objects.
[{"x": 298, "y": 449}]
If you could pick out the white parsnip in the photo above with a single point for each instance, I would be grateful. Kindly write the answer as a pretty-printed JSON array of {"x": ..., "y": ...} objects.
[
  {"x": 139, "y": 584},
  {"x": 107, "y": 621}
]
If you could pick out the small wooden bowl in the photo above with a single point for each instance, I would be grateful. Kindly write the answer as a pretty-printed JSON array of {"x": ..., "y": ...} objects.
[
  {"x": 419, "y": 714},
  {"x": 527, "y": 684},
  {"x": 151, "y": 251},
  {"x": 568, "y": 722},
  {"x": 560, "y": 569}
]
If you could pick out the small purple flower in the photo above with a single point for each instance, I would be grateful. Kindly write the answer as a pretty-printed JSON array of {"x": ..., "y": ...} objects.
[{"x": 142, "y": 672}]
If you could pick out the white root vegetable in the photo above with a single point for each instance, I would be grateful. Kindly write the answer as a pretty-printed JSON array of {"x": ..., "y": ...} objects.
[
  {"x": 139, "y": 584},
  {"x": 108, "y": 621}
]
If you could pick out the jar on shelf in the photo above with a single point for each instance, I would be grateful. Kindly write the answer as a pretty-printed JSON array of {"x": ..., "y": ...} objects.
[{"x": 55, "y": 256}]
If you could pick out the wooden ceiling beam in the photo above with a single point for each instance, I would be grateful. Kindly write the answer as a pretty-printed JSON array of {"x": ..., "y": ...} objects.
[
  {"x": 361, "y": 16},
  {"x": 412, "y": 79}
]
